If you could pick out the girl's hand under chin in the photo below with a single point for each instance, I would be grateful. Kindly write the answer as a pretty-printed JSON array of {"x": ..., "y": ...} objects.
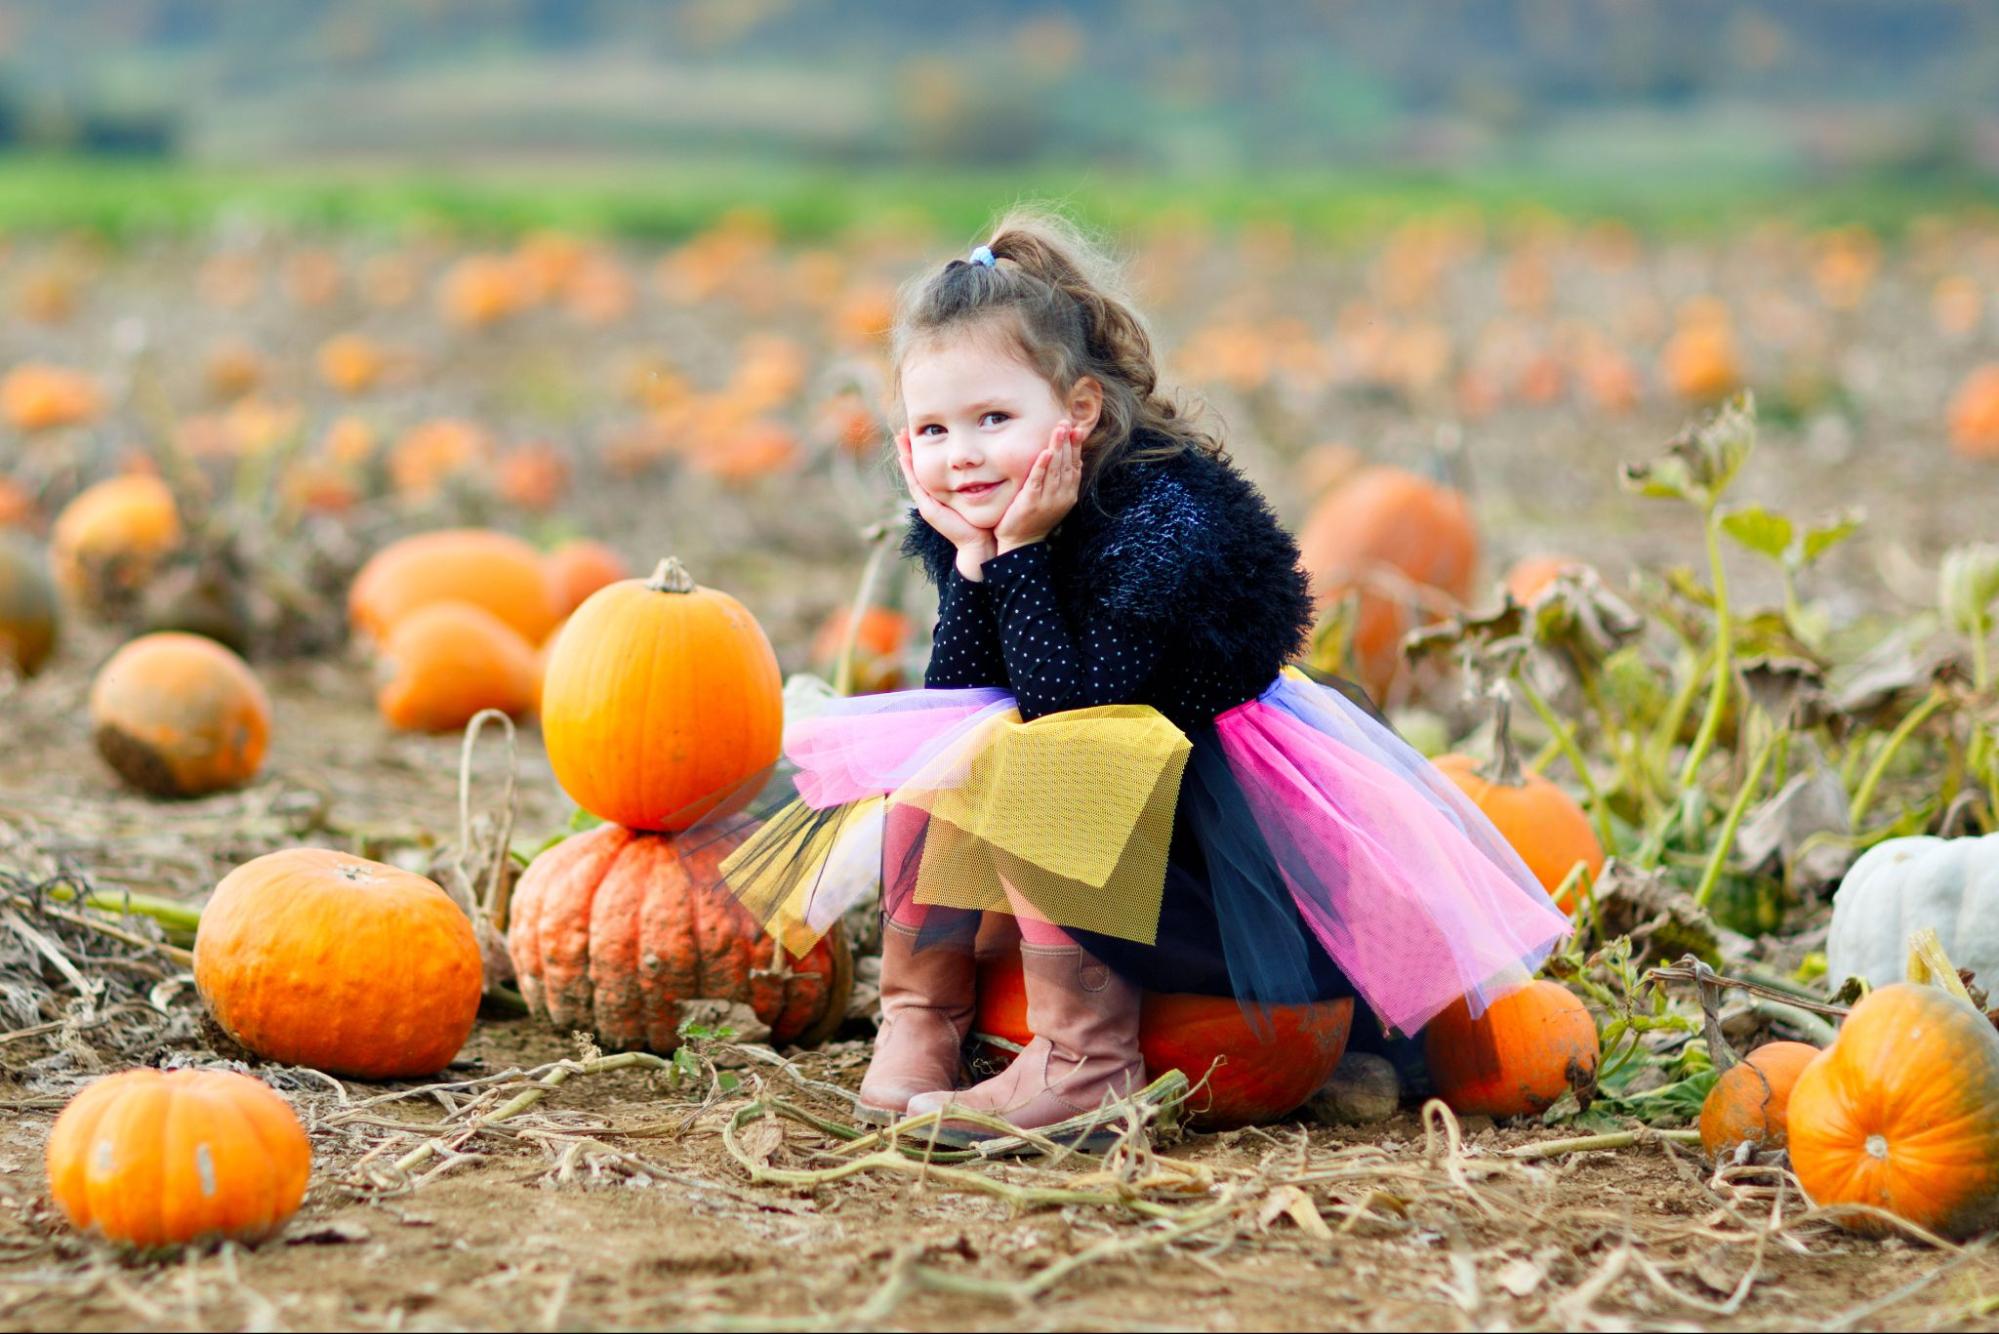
[
  {"x": 1048, "y": 494},
  {"x": 975, "y": 545}
]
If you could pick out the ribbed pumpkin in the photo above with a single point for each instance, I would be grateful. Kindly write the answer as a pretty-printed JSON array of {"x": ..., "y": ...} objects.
[
  {"x": 1902, "y": 1112},
  {"x": 178, "y": 715},
  {"x": 662, "y": 702},
  {"x": 1904, "y": 885},
  {"x": 612, "y": 929},
  {"x": 1750, "y": 1103},
  {"x": 27, "y": 607},
  {"x": 1386, "y": 524},
  {"x": 445, "y": 661},
  {"x": 493, "y": 570},
  {"x": 1527, "y": 1049},
  {"x": 152, "y": 1158},
  {"x": 1542, "y": 822},
  {"x": 108, "y": 540},
  {"x": 320, "y": 958},
  {"x": 1262, "y": 1077},
  {"x": 579, "y": 568}
]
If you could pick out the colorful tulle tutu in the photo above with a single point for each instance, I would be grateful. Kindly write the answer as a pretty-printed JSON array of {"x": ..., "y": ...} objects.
[{"x": 1295, "y": 849}]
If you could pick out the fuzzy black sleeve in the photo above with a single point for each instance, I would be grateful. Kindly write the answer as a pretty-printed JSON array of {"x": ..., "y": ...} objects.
[
  {"x": 965, "y": 648},
  {"x": 1049, "y": 666}
]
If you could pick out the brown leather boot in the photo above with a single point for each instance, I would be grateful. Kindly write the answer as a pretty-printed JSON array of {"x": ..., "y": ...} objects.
[
  {"x": 927, "y": 997},
  {"x": 1085, "y": 1050}
]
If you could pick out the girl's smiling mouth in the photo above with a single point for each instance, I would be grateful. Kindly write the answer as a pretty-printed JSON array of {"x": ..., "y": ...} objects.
[{"x": 976, "y": 489}]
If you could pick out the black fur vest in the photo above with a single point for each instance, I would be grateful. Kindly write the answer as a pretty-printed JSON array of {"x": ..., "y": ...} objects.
[{"x": 1188, "y": 546}]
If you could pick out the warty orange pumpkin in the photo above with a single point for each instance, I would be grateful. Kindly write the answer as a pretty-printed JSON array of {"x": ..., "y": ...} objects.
[
  {"x": 152, "y": 1158},
  {"x": 321, "y": 958},
  {"x": 662, "y": 702},
  {"x": 179, "y": 715},
  {"x": 1902, "y": 1112},
  {"x": 1527, "y": 1049},
  {"x": 610, "y": 930}
]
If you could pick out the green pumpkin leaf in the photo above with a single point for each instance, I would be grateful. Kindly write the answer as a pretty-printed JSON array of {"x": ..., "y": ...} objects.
[
  {"x": 1822, "y": 538},
  {"x": 1761, "y": 530},
  {"x": 1968, "y": 585}
]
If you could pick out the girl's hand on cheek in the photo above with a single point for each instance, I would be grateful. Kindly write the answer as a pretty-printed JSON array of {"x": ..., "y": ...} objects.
[
  {"x": 1048, "y": 494},
  {"x": 975, "y": 545}
]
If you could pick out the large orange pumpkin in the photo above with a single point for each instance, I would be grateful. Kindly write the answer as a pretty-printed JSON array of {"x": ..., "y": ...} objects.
[
  {"x": 1383, "y": 526},
  {"x": 1542, "y": 822},
  {"x": 27, "y": 607},
  {"x": 662, "y": 702},
  {"x": 1262, "y": 1076},
  {"x": 109, "y": 539},
  {"x": 1751, "y": 1101},
  {"x": 445, "y": 661},
  {"x": 179, "y": 715},
  {"x": 578, "y": 568},
  {"x": 154, "y": 1158},
  {"x": 320, "y": 958},
  {"x": 1527, "y": 1049},
  {"x": 1902, "y": 1112},
  {"x": 488, "y": 569},
  {"x": 612, "y": 929}
]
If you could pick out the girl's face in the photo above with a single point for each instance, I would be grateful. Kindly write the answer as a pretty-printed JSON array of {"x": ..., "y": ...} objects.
[{"x": 979, "y": 417}]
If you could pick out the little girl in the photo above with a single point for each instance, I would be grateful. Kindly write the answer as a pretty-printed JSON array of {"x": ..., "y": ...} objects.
[{"x": 1108, "y": 746}]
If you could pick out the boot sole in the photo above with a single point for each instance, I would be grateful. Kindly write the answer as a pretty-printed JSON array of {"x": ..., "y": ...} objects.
[{"x": 1087, "y": 1141}]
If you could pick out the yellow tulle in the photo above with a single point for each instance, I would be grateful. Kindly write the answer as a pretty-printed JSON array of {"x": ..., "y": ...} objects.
[{"x": 1067, "y": 819}]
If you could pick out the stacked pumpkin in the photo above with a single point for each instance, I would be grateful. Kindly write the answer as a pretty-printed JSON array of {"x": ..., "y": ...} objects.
[
  {"x": 463, "y": 618},
  {"x": 662, "y": 712}
]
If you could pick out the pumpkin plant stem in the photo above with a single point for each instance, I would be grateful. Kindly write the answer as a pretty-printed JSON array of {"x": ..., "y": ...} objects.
[
  {"x": 1726, "y": 839},
  {"x": 1865, "y": 796},
  {"x": 1723, "y": 632},
  {"x": 527, "y": 1098},
  {"x": 1659, "y": 752},
  {"x": 1617, "y": 1139},
  {"x": 843, "y": 675},
  {"x": 179, "y": 919},
  {"x": 1599, "y": 811}
]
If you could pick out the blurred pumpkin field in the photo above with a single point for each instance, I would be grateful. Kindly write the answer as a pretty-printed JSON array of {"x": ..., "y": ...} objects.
[{"x": 353, "y": 580}]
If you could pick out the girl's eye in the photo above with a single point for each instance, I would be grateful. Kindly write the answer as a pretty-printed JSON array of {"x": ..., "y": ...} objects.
[{"x": 994, "y": 413}]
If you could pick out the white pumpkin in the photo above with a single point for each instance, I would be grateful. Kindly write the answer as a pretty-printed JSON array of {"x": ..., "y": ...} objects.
[{"x": 1904, "y": 884}]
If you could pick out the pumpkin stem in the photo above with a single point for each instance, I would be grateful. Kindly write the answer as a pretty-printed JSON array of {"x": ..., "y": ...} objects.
[
  {"x": 671, "y": 577},
  {"x": 1505, "y": 767}
]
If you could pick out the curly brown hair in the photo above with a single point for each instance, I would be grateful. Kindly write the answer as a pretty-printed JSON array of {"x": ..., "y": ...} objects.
[{"x": 1055, "y": 298}]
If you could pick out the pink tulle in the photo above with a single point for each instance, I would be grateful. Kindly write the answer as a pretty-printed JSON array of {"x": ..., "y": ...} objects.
[
  {"x": 1408, "y": 886},
  {"x": 871, "y": 744}
]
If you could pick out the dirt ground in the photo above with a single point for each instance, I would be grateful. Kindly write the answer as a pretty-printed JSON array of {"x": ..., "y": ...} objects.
[{"x": 617, "y": 1202}]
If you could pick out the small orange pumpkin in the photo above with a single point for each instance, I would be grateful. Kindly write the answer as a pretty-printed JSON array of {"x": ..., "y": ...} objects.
[
  {"x": 610, "y": 930},
  {"x": 1902, "y": 1113},
  {"x": 1974, "y": 414},
  {"x": 533, "y": 476},
  {"x": 27, "y": 607},
  {"x": 1751, "y": 1101},
  {"x": 17, "y": 506},
  {"x": 431, "y": 453},
  {"x": 233, "y": 370},
  {"x": 1263, "y": 1076},
  {"x": 488, "y": 569},
  {"x": 878, "y": 647},
  {"x": 482, "y": 290},
  {"x": 1385, "y": 525},
  {"x": 351, "y": 363},
  {"x": 37, "y": 397},
  {"x": 178, "y": 715},
  {"x": 1527, "y": 1049},
  {"x": 108, "y": 540},
  {"x": 152, "y": 1158},
  {"x": 320, "y": 958},
  {"x": 662, "y": 703},
  {"x": 1541, "y": 821},
  {"x": 445, "y": 661},
  {"x": 1531, "y": 575},
  {"x": 578, "y": 568},
  {"x": 1701, "y": 361}
]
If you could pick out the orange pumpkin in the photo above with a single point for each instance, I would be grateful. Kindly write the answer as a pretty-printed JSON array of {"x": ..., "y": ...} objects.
[
  {"x": 1263, "y": 1076},
  {"x": 533, "y": 476},
  {"x": 488, "y": 569},
  {"x": 433, "y": 452},
  {"x": 1750, "y": 1103},
  {"x": 1974, "y": 414},
  {"x": 1902, "y": 1113},
  {"x": 579, "y": 568},
  {"x": 1383, "y": 528},
  {"x": 178, "y": 715},
  {"x": 152, "y": 1158},
  {"x": 1542, "y": 822},
  {"x": 27, "y": 607},
  {"x": 1701, "y": 362},
  {"x": 37, "y": 397},
  {"x": 233, "y": 370},
  {"x": 481, "y": 290},
  {"x": 612, "y": 929},
  {"x": 1531, "y": 575},
  {"x": 17, "y": 505},
  {"x": 351, "y": 363},
  {"x": 108, "y": 540},
  {"x": 445, "y": 661},
  {"x": 320, "y": 958},
  {"x": 878, "y": 647},
  {"x": 1527, "y": 1049},
  {"x": 662, "y": 702}
]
